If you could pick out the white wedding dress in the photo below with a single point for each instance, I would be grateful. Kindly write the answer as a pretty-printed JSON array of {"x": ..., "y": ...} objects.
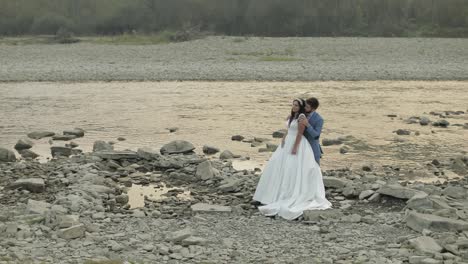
[{"x": 291, "y": 184}]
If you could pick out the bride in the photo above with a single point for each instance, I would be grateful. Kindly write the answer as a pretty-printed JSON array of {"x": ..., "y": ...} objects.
[{"x": 292, "y": 180}]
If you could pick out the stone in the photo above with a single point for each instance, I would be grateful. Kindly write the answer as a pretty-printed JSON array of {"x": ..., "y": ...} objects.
[
  {"x": 425, "y": 244},
  {"x": 331, "y": 142},
  {"x": 456, "y": 192},
  {"x": 403, "y": 132},
  {"x": 334, "y": 182},
  {"x": 193, "y": 240},
  {"x": 424, "y": 121},
  {"x": 344, "y": 150},
  {"x": 60, "y": 151},
  {"x": 37, "y": 207},
  {"x": 354, "y": 218},
  {"x": 148, "y": 153},
  {"x": 209, "y": 150},
  {"x": 122, "y": 199},
  {"x": 280, "y": 133},
  {"x": 419, "y": 202},
  {"x": 226, "y": 155},
  {"x": 121, "y": 139},
  {"x": 261, "y": 140},
  {"x": 237, "y": 138},
  {"x": 28, "y": 154},
  {"x": 364, "y": 194},
  {"x": 418, "y": 222},
  {"x": 441, "y": 123},
  {"x": 177, "y": 147},
  {"x": 40, "y": 134},
  {"x": 36, "y": 185},
  {"x": 374, "y": 197},
  {"x": 271, "y": 147},
  {"x": 66, "y": 221},
  {"x": 398, "y": 191},
  {"x": 230, "y": 185},
  {"x": 205, "y": 171},
  {"x": 116, "y": 155},
  {"x": 178, "y": 236},
  {"x": 64, "y": 137},
  {"x": 318, "y": 215},
  {"x": 77, "y": 132},
  {"x": 210, "y": 208},
  {"x": 73, "y": 232},
  {"x": 101, "y": 145},
  {"x": 23, "y": 144},
  {"x": 173, "y": 129},
  {"x": 7, "y": 155}
]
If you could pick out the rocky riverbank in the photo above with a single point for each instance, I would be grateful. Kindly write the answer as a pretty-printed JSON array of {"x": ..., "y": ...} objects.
[{"x": 77, "y": 208}]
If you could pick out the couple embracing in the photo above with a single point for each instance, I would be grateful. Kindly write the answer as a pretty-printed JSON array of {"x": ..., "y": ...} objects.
[{"x": 292, "y": 179}]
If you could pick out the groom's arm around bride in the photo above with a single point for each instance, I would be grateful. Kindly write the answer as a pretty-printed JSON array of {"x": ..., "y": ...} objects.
[{"x": 313, "y": 127}]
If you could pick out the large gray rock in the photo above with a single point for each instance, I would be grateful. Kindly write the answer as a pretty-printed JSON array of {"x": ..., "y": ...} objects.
[
  {"x": 40, "y": 134},
  {"x": 398, "y": 191},
  {"x": 78, "y": 132},
  {"x": 231, "y": 184},
  {"x": 35, "y": 185},
  {"x": 23, "y": 144},
  {"x": 177, "y": 147},
  {"x": 179, "y": 235},
  {"x": 148, "y": 153},
  {"x": 116, "y": 155},
  {"x": 7, "y": 155},
  {"x": 456, "y": 192},
  {"x": 333, "y": 182},
  {"x": 226, "y": 155},
  {"x": 37, "y": 207},
  {"x": 364, "y": 194},
  {"x": 73, "y": 232},
  {"x": 205, "y": 171},
  {"x": 64, "y": 137},
  {"x": 66, "y": 221},
  {"x": 418, "y": 222},
  {"x": 210, "y": 208},
  {"x": 193, "y": 240},
  {"x": 101, "y": 145},
  {"x": 420, "y": 202},
  {"x": 28, "y": 154},
  {"x": 60, "y": 151},
  {"x": 424, "y": 121},
  {"x": 209, "y": 150},
  {"x": 425, "y": 244}
]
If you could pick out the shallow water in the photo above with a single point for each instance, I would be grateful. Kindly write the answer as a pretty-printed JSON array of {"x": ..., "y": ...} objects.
[
  {"x": 136, "y": 194},
  {"x": 211, "y": 112}
]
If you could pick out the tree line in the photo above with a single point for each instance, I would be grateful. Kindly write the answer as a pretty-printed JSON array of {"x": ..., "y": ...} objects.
[{"x": 441, "y": 18}]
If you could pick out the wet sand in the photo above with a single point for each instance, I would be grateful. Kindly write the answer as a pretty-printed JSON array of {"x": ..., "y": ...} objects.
[{"x": 211, "y": 112}]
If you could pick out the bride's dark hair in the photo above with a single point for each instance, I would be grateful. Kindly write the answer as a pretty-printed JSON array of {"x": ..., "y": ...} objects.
[{"x": 293, "y": 116}]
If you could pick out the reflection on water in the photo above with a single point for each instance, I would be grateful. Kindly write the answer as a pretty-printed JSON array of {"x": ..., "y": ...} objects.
[{"x": 136, "y": 194}]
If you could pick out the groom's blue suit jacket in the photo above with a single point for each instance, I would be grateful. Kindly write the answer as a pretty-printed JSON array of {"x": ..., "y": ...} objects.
[{"x": 312, "y": 134}]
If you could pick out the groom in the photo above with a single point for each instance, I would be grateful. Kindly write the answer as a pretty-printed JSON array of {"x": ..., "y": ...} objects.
[{"x": 313, "y": 124}]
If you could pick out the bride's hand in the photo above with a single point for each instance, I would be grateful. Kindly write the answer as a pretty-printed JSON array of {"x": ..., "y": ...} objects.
[{"x": 294, "y": 151}]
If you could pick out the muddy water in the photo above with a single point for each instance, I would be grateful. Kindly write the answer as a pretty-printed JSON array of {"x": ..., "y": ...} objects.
[{"x": 211, "y": 112}]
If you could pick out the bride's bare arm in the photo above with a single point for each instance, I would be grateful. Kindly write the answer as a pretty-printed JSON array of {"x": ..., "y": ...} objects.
[{"x": 300, "y": 132}]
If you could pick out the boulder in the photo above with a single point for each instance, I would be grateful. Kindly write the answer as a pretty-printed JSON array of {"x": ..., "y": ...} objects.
[
  {"x": 334, "y": 182},
  {"x": 60, "y": 151},
  {"x": 35, "y": 185},
  {"x": 398, "y": 191},
  {"x": 64, "y": 137},
  {"x": 418, "y": 222},
  {"x": 23, "y": 144},
  {"x": 40, "y": 134},
  {"x": 78, "y": 132},
  {"x": 209, "y": 150},
  {"x": 364, "y": 194},
  {"x": 116, "y": 155},
  {"x": 425, "y": 244},
  {"x": 7, "y": 155},
  {"x": 101, "y": 145},
  {"x": 37, "y": 207},
  {"x": 441, "y": 123},
  {"x": 226, "y": 155},
  {"x": 456, "y": 192},
  {"x": 205, "y": 171},
  {"x": 28, "y": 154},
  {"x": 237, "y": 138},
  {"x": 148, "y": 154},
  {"x": 279, "y": 133},
  {"x": 271, "y": 147},
  {"x": 177, "y": 147},
  {"x": 72, "y": 232},
  {"x": 424, "y": 121}
]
